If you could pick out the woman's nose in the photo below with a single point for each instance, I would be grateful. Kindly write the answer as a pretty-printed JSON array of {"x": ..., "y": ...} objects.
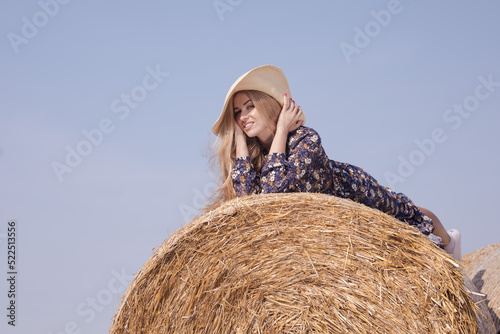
[{"x": 244, "y": 116}]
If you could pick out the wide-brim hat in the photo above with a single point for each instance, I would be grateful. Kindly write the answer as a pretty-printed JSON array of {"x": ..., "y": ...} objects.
[{"x": 268, "y": 79}]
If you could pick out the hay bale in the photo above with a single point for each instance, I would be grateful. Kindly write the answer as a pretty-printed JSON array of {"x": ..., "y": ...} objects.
[
  {"x": 483, "y": 267},
  {"x": 296, "y": 263},
  {"x": 484, "y": 322}
]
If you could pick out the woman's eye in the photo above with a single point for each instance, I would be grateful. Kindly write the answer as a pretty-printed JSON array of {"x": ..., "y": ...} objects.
[{"x": 237, "y": 113}]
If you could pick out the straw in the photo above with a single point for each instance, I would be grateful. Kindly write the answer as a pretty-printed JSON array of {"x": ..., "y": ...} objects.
[
  {"x": 483, "y": 267},
  {"x": 296, "y": 263}
]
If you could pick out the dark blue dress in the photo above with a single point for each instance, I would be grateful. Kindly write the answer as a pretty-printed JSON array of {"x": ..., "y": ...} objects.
[{"x": 306, "y": 168}]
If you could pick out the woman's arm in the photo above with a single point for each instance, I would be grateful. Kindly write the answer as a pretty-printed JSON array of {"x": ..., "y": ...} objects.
[
  {"x": 245, "y": 180},
  {"x": 288, "y": 121},
  {"x": 304, "y": 167},
  {"x": 240, "y": 140}
]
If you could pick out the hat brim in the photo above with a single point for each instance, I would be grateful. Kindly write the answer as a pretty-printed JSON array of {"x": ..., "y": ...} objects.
[{"x": 268, "y": 79}]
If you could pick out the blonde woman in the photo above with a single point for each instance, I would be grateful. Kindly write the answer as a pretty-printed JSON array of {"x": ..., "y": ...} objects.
[{"x": 264, "y": 147}]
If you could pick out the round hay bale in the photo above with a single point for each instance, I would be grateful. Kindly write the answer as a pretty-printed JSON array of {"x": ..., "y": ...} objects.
[
  {"x": 483, "y": 267},
  {"x": 296, "y": 263},
  {"x": 484, "y": 322}
]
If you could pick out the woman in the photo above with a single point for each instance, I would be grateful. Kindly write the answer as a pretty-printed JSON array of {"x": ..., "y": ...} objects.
[{"x": 263, "y": 147}]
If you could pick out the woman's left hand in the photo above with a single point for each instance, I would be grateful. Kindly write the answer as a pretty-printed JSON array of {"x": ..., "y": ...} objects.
[{"x": 289, "y": 118}]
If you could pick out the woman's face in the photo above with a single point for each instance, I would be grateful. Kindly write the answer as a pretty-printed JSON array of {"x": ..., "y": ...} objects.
[{"x": 249, "y": 119}]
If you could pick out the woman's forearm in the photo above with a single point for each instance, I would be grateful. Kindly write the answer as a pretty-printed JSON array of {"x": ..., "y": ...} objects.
[
  {"x": 279, "y": 141},
  {"x": 241, "y": 147}
]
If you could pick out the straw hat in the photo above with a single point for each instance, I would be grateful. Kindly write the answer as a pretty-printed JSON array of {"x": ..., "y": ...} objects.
[{"x": 268, "y": 79}]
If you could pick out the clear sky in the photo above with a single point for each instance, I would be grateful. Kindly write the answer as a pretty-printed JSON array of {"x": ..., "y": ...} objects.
[{"x": 107, "y": 108}]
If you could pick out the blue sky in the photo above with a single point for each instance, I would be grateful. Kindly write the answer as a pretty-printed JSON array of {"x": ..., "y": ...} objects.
[{"x": 408, "y": 90}]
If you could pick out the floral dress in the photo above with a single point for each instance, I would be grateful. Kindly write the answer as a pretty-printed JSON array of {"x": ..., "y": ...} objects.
[{"x": 306, "y": 168}]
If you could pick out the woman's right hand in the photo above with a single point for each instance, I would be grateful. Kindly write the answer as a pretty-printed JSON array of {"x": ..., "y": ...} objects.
[
  {"x": 238, "y": 133},
  {"x": 240, "y": 140}
]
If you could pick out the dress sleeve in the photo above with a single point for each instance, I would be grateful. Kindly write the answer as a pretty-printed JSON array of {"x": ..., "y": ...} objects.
[
  {"x": 245, "y": 180},
  {"x": 354, "y": 183},
  {"x": 302, "y": 169}
]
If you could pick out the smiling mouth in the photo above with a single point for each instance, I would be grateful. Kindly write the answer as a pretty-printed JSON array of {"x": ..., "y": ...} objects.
[{"x": 247, "y": 126}]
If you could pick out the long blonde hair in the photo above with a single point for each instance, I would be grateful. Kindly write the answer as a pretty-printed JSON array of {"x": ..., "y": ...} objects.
[{"x": 225, "y": 148}]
